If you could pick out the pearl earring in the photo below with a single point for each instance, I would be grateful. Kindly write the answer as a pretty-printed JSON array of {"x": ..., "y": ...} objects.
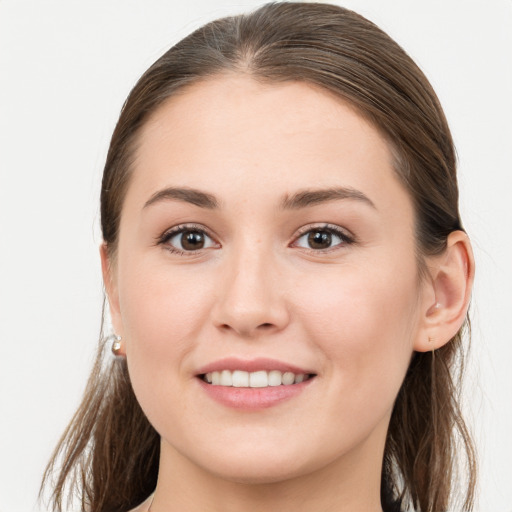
[{"x": 116, "y": 345}]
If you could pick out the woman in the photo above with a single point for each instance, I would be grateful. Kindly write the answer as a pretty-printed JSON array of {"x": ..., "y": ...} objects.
[{"x": 288, "y": 280}]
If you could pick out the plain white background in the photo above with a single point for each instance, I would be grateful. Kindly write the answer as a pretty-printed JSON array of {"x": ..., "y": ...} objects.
[{"x": 66, "y": 67}]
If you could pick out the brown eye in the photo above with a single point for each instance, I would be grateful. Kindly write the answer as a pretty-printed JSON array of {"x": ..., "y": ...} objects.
[
  {"x": 323, "y": 238},
  {"x": 192, "y": 240},
  {"x": 183, "y": 239},
  {"x": 319, "y": 239}
]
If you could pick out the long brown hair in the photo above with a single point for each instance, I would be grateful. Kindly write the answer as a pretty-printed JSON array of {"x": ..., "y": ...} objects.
[{"x": 109, "y": 453}]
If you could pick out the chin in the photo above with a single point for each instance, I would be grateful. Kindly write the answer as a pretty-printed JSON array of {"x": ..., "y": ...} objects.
[
  {"x": 258, "y": 467},
  {"x": 259, "y": 474}
]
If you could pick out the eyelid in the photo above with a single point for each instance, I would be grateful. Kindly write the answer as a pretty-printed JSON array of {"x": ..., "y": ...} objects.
[
  {"x": 346, "y": 236},
  {"x": 180, "y": 228}
]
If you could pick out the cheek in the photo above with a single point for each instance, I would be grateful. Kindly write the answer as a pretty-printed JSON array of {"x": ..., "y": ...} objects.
[
  {"x": 365, "y": 321},
  {"x": 163, "y": 310}
]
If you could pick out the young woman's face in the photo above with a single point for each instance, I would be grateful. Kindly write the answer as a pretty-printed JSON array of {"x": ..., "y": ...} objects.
[{"x": 264, "y": 231}]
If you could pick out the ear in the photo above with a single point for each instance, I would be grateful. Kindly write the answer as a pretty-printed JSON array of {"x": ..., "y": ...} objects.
[
  {"x": 447, "y": 295},
  {"x": 110, "y": 283}
]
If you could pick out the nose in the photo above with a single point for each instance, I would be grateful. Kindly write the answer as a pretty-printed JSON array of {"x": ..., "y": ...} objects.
[{"x": 251, "y": 296}]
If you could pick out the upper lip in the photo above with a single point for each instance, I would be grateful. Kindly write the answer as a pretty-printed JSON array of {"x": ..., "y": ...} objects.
[{"x": 251, "y": 365}]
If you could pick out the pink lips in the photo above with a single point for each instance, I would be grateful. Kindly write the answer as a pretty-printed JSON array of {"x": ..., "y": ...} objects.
[
  {"x": 253, "y": 365},
  {"x": 251, "y": 399}
]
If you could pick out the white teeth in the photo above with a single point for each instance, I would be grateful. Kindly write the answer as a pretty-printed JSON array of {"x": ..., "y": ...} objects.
[
  {"x": 240, "y": 379},
  {"x": 288, "y": 378},
  {"x": 260, "y": 379},
  {"x": 274, "y": 378},
  {"x": 225, "y": 378}
]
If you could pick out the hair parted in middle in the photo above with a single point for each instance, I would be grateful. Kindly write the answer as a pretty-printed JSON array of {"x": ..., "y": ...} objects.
[{"x": 110, "y": 451}]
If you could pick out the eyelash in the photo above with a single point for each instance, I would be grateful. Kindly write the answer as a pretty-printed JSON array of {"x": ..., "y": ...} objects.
[
  {"x": 332, "y": 229},
  {"x": 182, "y": 228},
  {"x": 324, "y": 228}
]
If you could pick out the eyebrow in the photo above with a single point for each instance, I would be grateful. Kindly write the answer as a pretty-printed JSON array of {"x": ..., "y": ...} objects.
[
  {"x": 301, "y": 199},
  {"x": 187, "y": 195},
  {"x": 311, "y": 197}
]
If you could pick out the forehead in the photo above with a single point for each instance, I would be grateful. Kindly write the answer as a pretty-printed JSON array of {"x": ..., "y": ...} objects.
[{"x": 232, "y": 131}]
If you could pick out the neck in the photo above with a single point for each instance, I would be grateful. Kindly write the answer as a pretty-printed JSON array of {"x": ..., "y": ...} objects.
[{"x": 350, "y": 484}]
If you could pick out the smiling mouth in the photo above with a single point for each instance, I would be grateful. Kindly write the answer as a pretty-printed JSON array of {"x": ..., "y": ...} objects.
[{"x": 258, "y": 379}]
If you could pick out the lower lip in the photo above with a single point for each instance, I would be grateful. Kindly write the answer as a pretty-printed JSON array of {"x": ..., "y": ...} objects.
[{"x": 253, "y": 398}]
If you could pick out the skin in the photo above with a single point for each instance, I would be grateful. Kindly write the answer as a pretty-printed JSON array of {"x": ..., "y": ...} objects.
[{"x": 353, "y": 313}]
